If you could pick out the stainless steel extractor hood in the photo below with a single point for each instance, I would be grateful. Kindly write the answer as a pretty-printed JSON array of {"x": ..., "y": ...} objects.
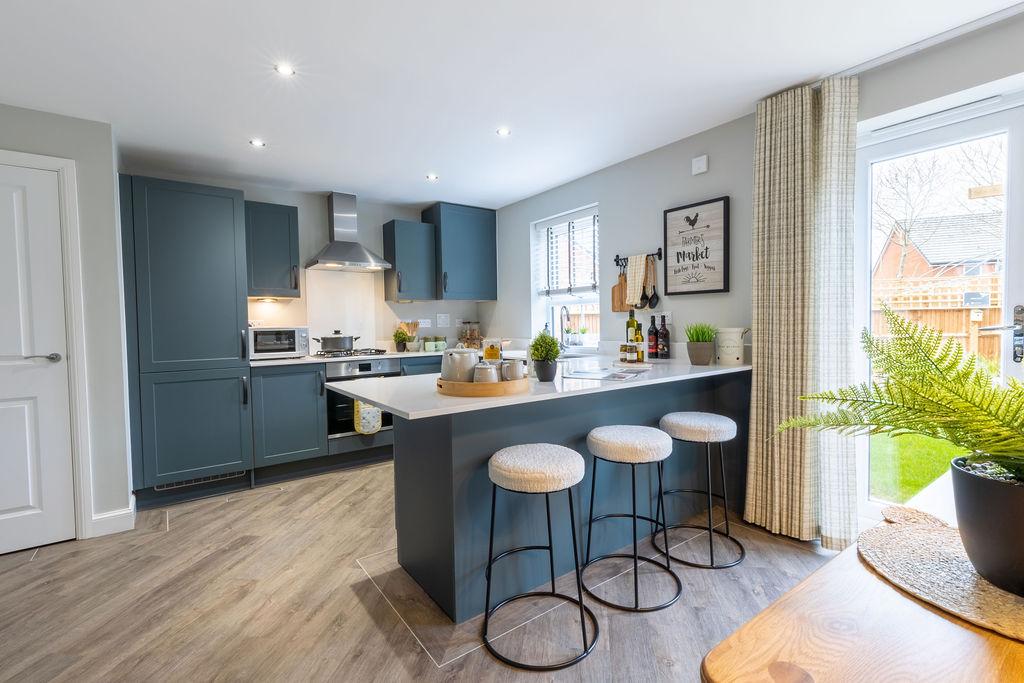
[{"x": 344, "y": 252}]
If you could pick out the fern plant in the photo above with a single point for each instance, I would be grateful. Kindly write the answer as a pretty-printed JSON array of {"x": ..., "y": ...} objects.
[{"x": 927, "y": 385}]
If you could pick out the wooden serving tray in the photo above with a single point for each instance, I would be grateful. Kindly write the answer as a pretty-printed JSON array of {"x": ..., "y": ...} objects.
[{"x": 482, "y": 389}]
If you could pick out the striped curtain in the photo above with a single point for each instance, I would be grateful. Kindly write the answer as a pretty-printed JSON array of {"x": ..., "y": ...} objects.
[{"x": 800, "y": 483}]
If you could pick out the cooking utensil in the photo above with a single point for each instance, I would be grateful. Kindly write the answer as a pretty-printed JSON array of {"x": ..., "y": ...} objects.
[
  {"x": 619, "y": 304},
  {"x": 336, "y": 341},
  {"x": 457, "y": 364},
  {"x": 644, "y": 299},
  {"x": 653, "y": 302}
]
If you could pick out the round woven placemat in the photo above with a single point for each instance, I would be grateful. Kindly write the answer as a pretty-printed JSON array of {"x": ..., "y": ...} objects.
[{"x": 924, "y": 556}]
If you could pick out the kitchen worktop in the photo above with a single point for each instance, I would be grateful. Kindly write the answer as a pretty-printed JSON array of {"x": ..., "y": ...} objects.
[
  {"x": 320, "y": 359},
  {"x": 415, "y": 396}
]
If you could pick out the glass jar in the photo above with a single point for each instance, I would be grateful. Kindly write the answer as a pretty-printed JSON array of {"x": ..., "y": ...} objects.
[
  {"x": 623, "y": 352},
  {"x": 630, "y": 353}
]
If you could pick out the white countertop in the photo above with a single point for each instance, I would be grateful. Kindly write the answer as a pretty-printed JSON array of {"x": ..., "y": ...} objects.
[
  {"x": 415, "y": 396},
  {"x": 319, "y": 359}
]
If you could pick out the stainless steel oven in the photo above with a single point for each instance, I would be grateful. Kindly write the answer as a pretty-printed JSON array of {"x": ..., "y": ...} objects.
[
  {"x": 340, "y": 408},
  {"x": 278, "y": 342}
]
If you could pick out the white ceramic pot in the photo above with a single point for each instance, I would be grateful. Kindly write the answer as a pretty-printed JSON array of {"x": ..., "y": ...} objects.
[{"x": 729, "y": 345}]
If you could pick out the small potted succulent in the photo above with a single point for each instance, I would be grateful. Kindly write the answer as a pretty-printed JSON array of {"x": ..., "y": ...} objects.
[
  {"x": 926, "y": 384},
  {"x": 700, "y": 343},
  {"x": 544, "y": 353},
  {"x": 401, "y": 338}
]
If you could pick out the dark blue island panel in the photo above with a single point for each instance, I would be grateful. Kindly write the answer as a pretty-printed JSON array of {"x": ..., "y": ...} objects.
[{"x": 442, "y": 491}]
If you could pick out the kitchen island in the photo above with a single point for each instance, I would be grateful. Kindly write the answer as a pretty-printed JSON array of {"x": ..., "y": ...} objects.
[{"x": 442, "y": 444}]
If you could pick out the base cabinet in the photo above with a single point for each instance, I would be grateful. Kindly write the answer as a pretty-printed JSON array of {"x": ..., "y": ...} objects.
[
  {"x": 290, "y": 413},
  {"x": 195, "y": 424}
]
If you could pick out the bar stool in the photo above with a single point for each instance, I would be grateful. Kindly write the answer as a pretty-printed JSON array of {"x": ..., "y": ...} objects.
[
  {"x": 537, "y": 468},
  {"x": 706, "y": 428},
  {"x": 630, "y": 445}
]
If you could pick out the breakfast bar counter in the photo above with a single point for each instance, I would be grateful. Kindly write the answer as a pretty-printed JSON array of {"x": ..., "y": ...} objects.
[{"x": 442, "y": 445}]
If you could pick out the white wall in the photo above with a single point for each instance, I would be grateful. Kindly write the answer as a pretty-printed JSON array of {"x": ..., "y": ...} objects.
[
  {"x": 90, "y": 145},
  {"x": 634, "y": 193},
  {"x": 351, "y": 302}
]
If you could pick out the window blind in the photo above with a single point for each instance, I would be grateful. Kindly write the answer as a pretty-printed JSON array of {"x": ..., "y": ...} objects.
[{"x": 566, "y": 253}]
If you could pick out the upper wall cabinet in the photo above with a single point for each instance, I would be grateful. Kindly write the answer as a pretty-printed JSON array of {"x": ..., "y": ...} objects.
[
  {"x": 272, "y": 249},
  {"x": 190, "y": 275},
  {"x": 465, "y": 245},
  {"x": 409, "y": 247}
]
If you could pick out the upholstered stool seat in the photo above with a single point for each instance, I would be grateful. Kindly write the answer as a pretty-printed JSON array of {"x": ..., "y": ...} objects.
[
  {"x": 536, "y": 468},
  {"x": 629, "y": 443},
  {"x": 700, "y": 427}
]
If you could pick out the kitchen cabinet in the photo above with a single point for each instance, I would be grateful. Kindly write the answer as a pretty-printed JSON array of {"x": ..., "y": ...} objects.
[
  {"x": 272, "y": 249},
  {"x": 465, "y": 248},
  {"x": 195, "y": 424},
  {"x": 289, "y": 413},
  {"x": 190, "y": 275},
  {"x": 422, "y": 365},
  {"x": 409, "y": 248}
]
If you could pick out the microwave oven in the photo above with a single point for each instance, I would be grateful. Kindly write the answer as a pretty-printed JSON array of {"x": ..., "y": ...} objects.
[{"x": 278, "y": 342}]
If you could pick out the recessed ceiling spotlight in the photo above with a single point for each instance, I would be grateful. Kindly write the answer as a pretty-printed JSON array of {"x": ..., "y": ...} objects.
[
  {"x": 504, "y": 132},
  {"x": 284, "y": 69},
  {"x": 433, "y": 177},
  {"x": 257, "y": 143}
]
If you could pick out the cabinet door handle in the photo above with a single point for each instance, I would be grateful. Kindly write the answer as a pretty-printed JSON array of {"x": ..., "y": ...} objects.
[
  {"x": 399, "y": 274},
  {"x": 245, "y": 390},
  {"x": 444, "y": 281},
  {"x": 323, "y": 383},
  {"x": 52, "y": 357},
  {"x": 295, "y": 277},
  {"x": 245, "y": 351}
]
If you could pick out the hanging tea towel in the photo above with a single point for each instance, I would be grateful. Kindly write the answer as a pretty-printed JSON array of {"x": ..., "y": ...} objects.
[
  {"x": 367, "y": 418},
  {"x": 635, "y": 278}
]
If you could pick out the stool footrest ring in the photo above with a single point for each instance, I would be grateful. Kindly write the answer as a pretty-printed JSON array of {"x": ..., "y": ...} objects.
[
  {"x": 629, "y": 608},
  {"x": 541, "y": 667},
  {"x": 701, "y": 565}
]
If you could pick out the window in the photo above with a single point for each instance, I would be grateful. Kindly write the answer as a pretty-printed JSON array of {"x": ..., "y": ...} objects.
[{"x": 566, "y": 275}]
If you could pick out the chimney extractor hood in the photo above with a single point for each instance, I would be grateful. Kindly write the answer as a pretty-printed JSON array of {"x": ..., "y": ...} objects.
[{"x": 343, "y": 251}]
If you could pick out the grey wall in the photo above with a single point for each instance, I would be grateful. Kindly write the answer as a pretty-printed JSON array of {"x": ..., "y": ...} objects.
[
  {"x": 634, "y": 193},
  {"x": 90, "y": 145}
]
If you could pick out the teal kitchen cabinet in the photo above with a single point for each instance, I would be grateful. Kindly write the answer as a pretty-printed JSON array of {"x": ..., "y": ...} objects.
[
  {"x": 272, "y": 249},
  {"x": 465, "y": 247},
  {"x": 195, "y": 424},
  {"x": 409, "y": 248},
  {"x": 190, "y": 276},
  {"x": 421, "y": 365},
  {"x": 289, "y": 413}
]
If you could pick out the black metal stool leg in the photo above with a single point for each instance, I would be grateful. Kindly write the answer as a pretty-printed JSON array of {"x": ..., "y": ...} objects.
[
  {"x": 711, "y": 502},
  {"x": 661, "y": 506},
  {"x": 725, "y": 490},
  {"x": 636, "y": 552},
  {"x": 590, "y": 521},
  {"x": 576, "y": 563},
  {"x": 551, "y": 544},
  {"x": 490, "y": 560}
]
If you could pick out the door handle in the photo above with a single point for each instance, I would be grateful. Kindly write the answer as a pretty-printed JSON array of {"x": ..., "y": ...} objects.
[
  {"x": 444, "y": 281},
  {"x": 399, "y": 274},
  {"x": 244, "y": 345},
  {"x": 295, "y": 277},
  {"x": 245, "y": 390},
  {"x": 1017, "y": 327},
  {"x": 52, "y": 357},
  {"x": 323, "y": 383}
]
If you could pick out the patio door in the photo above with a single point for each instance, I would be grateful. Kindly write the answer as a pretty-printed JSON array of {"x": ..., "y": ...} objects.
[{"x": 940, "y": 213}]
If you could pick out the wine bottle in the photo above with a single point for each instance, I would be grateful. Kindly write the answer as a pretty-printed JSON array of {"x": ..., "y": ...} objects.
[
  {"x": 664, "y": 348},
  {"x": 632, "y": 328},
  {"x": 652, "y": 340}
]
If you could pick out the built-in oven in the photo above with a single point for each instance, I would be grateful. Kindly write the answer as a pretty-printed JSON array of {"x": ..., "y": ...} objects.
[
  {"x": 278, "y": 342},
  {"x": 341, "y": 408}
]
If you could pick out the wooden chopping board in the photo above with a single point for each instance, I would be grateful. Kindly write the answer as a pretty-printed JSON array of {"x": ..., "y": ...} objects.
[{"x": 619, "y": 295}]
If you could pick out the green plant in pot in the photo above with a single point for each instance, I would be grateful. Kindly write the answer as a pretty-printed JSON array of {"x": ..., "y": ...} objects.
[
  {"x": 700, "y": 343},
  {"x": 401, "y": 338},
  {"x": 928, "y": 385},
  {"x": 544, "y": 353}
]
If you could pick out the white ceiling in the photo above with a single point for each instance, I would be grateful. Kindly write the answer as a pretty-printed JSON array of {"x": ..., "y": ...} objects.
[{"x": 388, "y": 91}]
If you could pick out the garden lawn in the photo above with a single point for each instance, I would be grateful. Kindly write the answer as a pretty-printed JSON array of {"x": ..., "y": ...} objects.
[{"x": 902, "y": 466}]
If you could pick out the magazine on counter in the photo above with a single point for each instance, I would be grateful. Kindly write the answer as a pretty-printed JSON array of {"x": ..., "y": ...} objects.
[{"x": 616, "y": 375}]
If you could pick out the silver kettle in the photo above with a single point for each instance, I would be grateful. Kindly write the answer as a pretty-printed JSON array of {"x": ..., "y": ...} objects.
[{"x": 457, "y": 364}]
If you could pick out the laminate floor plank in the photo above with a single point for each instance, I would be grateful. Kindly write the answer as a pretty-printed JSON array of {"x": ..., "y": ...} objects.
[{"x": 269, "y": 585}]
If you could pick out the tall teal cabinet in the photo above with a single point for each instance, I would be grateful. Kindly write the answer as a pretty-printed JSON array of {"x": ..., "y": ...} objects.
[
  {"x": 185, "y": 245},
  {"x": 466, "y": 253}
]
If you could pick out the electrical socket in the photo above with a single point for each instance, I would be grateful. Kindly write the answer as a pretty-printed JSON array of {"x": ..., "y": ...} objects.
[{"x": 426, "y": 323}]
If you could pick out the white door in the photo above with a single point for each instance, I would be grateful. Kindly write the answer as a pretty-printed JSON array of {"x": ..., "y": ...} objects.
[
  {"x": 36, "y": 478},
  {"x": 941, "y": 223}
]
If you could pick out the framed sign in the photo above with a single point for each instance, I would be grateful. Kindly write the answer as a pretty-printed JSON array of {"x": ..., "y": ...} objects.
[{"x": 697, "y": 248}]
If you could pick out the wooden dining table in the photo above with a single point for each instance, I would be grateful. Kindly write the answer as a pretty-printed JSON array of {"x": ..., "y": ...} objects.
[{"x": 846, "y": 623}]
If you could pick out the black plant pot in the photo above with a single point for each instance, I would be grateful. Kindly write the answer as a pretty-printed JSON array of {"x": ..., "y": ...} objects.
[
  {"x": 545, "y": 369},
  {"x": 989, "y": 514},
  {"x": 400, "y": 347}
]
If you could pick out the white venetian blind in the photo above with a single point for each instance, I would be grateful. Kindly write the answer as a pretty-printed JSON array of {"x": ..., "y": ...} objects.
[{"x": 565, "y": 254}]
